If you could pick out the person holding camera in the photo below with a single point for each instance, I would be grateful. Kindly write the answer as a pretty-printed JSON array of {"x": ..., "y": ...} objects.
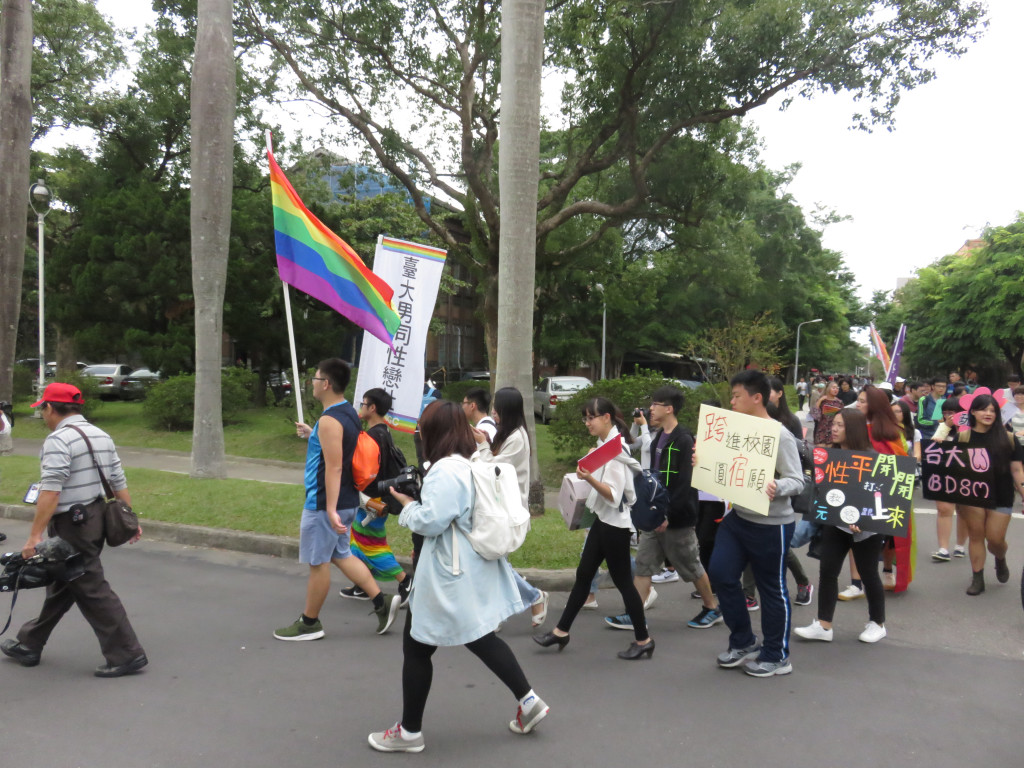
[
  {"x": 457, "y": 599},
  {"x": 331, "y": 505},
  {"x": 369, "y": 535},
  {"x": 68, "y": 482}
]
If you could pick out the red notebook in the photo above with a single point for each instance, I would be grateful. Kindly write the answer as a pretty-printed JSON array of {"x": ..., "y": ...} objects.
[{"x": 600, "y": 456}]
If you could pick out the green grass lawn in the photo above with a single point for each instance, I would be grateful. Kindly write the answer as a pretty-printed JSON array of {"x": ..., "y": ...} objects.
[
  {"x": 269, "y": 508},
  {"x": 258, "y": 433}
]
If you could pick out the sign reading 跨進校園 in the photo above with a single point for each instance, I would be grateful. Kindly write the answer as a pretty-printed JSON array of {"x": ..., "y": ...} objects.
[
  {"x": 736, "y": 456},
  {"x": 951, "y": 471},
  {"x": 874, "y": 491}
]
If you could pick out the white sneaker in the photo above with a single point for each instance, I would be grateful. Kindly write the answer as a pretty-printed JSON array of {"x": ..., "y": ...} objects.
[
  {"x": 650, "y": 599},
  {"x": 665, "y": 577},
  {"x": 888, "y": 581},
  {"x": 814, "y": 631},
  {"x": 591, "y": 605},
  {"x": 872, "y": 633},
  {"x": 852, "y": 592}
]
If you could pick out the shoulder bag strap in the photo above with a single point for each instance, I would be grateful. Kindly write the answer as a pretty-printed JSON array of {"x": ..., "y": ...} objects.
[{"x": 103, "y": 478}]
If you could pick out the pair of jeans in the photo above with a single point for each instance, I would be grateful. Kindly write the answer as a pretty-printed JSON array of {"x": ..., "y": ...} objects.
[{"x": 740, "y": 542}]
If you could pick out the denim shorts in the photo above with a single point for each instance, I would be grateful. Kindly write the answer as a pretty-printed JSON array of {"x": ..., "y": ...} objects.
[{"x": 318, "y": 542}]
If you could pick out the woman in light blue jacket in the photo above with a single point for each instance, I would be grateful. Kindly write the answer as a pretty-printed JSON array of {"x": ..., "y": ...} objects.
[{"x": 453, "y": 601}]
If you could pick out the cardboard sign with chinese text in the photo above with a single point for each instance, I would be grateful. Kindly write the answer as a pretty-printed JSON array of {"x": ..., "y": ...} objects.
[
  {"x": 874, "y": 491},
  {"x": 736, "y": 456},
  {"x": 950, "y": 471}
]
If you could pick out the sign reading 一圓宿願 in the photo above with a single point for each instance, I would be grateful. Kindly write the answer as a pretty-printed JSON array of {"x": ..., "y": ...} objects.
[
  {"x": 874, "y": 491},
  {"x": 736, "y": 456},
  {"x": 952, "y": 471}
]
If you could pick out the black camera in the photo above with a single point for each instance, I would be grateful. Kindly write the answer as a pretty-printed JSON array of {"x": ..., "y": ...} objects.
[
  {"x": 54, "y": 560},
  {"x": 408, "y": 481}
]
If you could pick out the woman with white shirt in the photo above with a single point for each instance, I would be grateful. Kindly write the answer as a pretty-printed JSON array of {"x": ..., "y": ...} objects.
[
  {"x": 511, "y": 445},
  {"x": 610, "y": 499}
]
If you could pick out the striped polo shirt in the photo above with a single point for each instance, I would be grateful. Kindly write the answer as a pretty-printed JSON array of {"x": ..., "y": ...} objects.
[{"x": 68, "y": 468}]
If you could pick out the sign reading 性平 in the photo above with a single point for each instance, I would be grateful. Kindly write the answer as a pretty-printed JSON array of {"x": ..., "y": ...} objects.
[
  {"x": 873, "y": 491},
  {"x": 950, "y": 471}
]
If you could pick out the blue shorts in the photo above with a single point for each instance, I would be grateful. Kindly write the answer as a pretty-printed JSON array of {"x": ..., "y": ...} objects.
[{"x": 318, "y": 542}]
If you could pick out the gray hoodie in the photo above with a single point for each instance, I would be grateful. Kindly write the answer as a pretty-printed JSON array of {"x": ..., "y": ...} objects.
[{"x": 789, "y": 478}]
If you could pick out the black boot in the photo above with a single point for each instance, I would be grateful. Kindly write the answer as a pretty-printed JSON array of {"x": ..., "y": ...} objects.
[{"x": 977, "y": 583}]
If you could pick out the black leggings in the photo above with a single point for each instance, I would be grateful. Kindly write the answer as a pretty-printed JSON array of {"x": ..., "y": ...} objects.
[
  {"x": 606, "y": 543},
  {"x": 834, "y": 546},
  {"x": 418, "y": 671}
]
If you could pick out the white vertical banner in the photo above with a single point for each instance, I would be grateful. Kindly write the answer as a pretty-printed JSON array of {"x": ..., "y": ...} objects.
[{"x": 414, "y": 271}]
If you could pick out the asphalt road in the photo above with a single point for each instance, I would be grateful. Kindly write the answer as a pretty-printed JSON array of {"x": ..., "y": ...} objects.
[{"x": 944, "y": 689}]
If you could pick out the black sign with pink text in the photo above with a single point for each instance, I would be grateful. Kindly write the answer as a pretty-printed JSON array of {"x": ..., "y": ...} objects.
[{"x": 950, "y": 471}]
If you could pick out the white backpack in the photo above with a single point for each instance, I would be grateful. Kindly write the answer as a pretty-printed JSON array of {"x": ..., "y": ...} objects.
[{"x": 500, "y": 521}]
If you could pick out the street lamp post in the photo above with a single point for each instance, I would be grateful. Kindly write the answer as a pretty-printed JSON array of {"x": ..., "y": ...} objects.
[
  {"x": 38, "y": 193},
  {"x": 604, "y": 326},
  {"x": 796, "y": 364}
]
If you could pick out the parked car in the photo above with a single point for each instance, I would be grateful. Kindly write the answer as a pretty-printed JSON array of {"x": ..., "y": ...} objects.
[
  {"x": 138, "y": 383},
  {"x": 110, "y": 376},
  {"x": 688, "y": 383},
  {"x": 51, "y": 368},
  {"x": 476, "y": 376},
  {"x": 553, "y": 389}
]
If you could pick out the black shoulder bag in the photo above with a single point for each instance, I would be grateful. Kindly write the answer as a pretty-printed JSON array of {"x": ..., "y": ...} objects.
[{"x": 120, "y": 523}]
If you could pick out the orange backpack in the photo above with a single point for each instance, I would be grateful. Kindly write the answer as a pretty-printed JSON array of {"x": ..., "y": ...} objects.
[{"x": 365, "y": 461}]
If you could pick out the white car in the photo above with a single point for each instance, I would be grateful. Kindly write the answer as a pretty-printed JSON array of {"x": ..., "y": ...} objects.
[{"x": 553, "y": 389}]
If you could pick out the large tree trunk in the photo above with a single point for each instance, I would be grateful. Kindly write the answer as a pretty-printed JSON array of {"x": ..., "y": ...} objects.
[
  {"x": 15, "y": 139},
  {"x": 213, "y": 118},
  {"x": 522, "y": 52}
]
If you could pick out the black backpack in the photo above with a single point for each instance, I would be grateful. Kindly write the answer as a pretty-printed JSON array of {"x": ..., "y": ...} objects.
[
  {"x": 392, "y": 461},
  {"x": 803, "y": 502},
  {"x": 652, "y": 501}
]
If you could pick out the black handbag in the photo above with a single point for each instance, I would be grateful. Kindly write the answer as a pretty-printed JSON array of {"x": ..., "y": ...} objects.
[{"x": 120, "y": 523}]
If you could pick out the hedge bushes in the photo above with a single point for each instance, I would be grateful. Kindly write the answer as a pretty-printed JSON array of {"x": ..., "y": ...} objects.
[
  {"x": 569, "y": 433},
  {"x": 171, "y": 404}
]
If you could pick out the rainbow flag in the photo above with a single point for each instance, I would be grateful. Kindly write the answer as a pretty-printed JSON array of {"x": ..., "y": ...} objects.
[
  {"x": 878, "y": 347},
  {"x": 317, "y": 262}
]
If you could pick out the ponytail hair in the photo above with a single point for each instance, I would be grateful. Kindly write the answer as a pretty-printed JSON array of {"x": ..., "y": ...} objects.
[{"x": 599, "y": 406}]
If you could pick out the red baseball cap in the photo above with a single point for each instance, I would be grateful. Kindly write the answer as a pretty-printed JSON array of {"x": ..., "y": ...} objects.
[{"x": 60, "y": 393}]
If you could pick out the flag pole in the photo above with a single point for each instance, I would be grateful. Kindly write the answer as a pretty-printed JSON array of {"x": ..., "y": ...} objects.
[{"x": 296, "y": 382}]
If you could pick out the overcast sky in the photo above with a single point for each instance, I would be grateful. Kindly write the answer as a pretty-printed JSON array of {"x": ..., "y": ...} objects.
[{"x": 952, "y": 165}]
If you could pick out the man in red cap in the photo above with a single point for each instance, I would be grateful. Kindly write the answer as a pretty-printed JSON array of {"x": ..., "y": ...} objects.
[{"x": 69, "y": 481}]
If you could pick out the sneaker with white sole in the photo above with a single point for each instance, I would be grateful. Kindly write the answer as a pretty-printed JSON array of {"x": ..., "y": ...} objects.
[
  {"x": 300, "y": 631},
  {"x": 622, "y": 621},
  {"x": 888, "y": 581},
  {"x": 387, "y": 612},
  {"x": 665, "y": 577},
  {"x": 753, "y": 605},
  {"x": 768, "y": 668},
  {"x": 353, "y": 593},
  {"x": 527, "y": 719},
  {"x": 590, "y": 606},
  {"x": 393, "y": 740},
  {"x": 940, "y": 556},
  {"x": 959, "y": 552},
  {"x": 872, "y": 633},
  {"x": 538, "y": 618},
  {"x": 852, "y": 592},
  {"x": 804, "y": 593},
  {"x": 814, "y": 631},
  {"x": 736, "y": 656},
  {"x": 650, "y": 599},
  {"x": 707, "y": 617}
]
